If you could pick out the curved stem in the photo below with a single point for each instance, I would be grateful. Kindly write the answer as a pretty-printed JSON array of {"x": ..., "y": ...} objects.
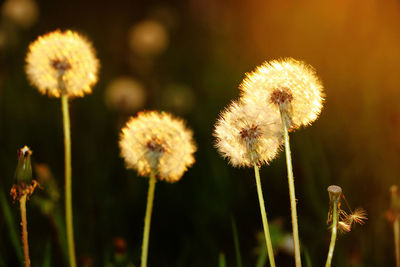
[
  {"x": 333, "y": 236},
  {"x": 24, "y": 225},
  {"x": 147, "y": 219},
  {"x": 396, "y": 228},
  {"x": 291, "y": 190},
  {"x": 264, "y": 217},
  {"x": 68, "y": 179}
]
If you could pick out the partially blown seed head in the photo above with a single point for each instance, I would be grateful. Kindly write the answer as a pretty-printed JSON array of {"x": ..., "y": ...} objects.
[
  {"x": 246, "y": 136},
  {"x": 157, "y": 142},
  {"x": 287, "y": 85},
  {"x": 62, "y": 55}
]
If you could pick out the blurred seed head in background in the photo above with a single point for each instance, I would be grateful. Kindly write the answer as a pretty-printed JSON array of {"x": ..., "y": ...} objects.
[
  {"x": 23, "y": 13},
  {"x": 125, "y": 94},
  {"x": 148, "y": 38}
]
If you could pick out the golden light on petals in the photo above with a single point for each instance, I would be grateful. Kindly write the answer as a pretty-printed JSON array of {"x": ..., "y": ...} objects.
[
  {"x": 288, "y": 84},
  {"x": 158, "y": 142},
  {"x": 62, "y": 53},
  {"x": 246, "y": 136}
]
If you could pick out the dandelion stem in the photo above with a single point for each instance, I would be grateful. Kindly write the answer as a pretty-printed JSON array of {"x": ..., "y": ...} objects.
[
  {"x": 24, "y": 225},
  {"x": 396, "y": 228},
  {"x": 147, "y": 219},
  {"x": 334, "y": 234},
  {"x": 264, "y": 217},
  {"x": 68, "y": 170},
  {"x": 292, "y": 194}
]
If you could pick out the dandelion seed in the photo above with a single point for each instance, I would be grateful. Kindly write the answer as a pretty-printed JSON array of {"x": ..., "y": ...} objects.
[
  {"x": 66, "y": 55},
  {"x": 344, "y": 227},
  {"x": 358, "y": 216},
  {"x": 246, "y": 136},
  {"x": 288, "y": 85},
  {"x": 157, "y": 142}
]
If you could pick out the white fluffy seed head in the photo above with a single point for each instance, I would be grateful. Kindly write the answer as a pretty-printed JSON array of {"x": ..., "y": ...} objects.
[
  {"x": 287, "y": 84},
  {"x": 66, "y": 54},
  {"x": 246, "y": 136},
  {"x": 157, "y": 142}
]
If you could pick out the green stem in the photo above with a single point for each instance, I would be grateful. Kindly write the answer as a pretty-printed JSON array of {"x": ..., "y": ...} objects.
[
  {"x": 264, "y": 217},
  {"x": 24, "y": 225},
  {"x": 291, "y": 190},
  {"x": 333, "y": 236},
  {"x": 68, "y": 180},
  {"x": 147, "y": 219},
  {"x": 396, "y": 228}
]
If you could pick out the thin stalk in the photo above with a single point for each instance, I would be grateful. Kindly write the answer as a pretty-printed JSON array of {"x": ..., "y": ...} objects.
[
  {"x": 292, "y": 193},
  {"x": 24, "y": 225},
  {"x": 147, "y": 219},
  {"x": 396, "y": 228},
  {"x": 333, "y": 236},
  {"x": 68, "y": 172},
  {"x": 264, "y": 217}
]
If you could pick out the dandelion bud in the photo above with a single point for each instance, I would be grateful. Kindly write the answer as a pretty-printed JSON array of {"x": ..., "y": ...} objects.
[
  {"x": 285, "y": 86},
  {"x": 246, "y": 136},
  {"x": 61, "y": 61},
  {"x": 159, "y": 143},
  {"x": 23, "y": 174}
]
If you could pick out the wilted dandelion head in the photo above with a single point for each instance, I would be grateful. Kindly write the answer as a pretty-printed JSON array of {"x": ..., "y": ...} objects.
[
  {"x": 62, "y": 55},
  {"x": 157, "y": 142},
  {"x": 285, "y": 85},
  {"x": 246, "y": 136}
]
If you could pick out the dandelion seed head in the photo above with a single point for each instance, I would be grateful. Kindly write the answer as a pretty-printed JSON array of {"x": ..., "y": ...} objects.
[
  {"x": 158, "y": 142},
  {"x": 66, "y": 54},
  {"x": 246, "y": 136},
  {"x": 285, "y": 84}
]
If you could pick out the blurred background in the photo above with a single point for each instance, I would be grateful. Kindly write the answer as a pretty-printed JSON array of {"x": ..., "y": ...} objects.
[{"x": 188, "y": 58}]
